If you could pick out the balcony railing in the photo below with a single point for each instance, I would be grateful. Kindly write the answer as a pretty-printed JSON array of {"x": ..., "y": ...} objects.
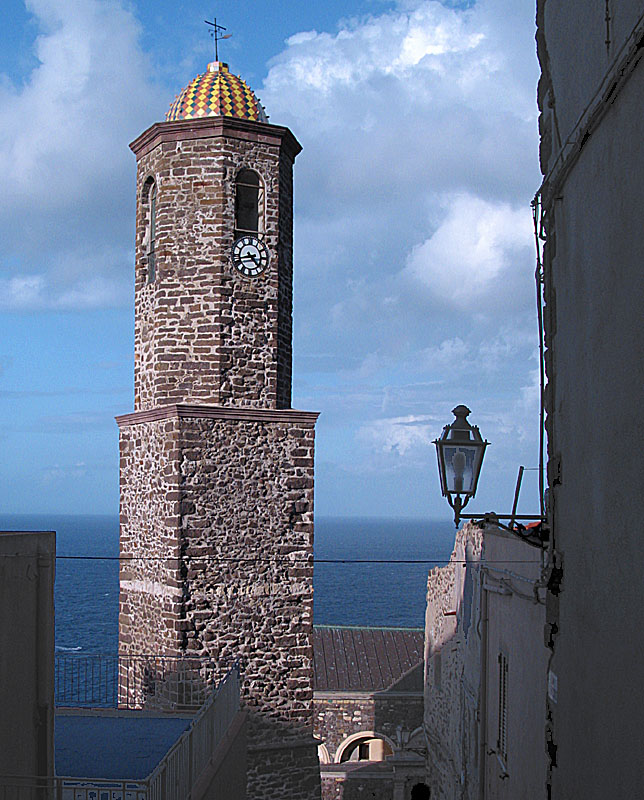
[
  {"x": 133, "y": 681},
  {"x": 172, "y": 779}
]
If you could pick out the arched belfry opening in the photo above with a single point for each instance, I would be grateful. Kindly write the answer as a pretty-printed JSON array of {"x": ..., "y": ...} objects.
[
  {"x": 249, "y": 203},
  {"x": 149, "y": 205}
]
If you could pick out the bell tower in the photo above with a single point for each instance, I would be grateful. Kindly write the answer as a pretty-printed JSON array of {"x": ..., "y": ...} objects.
[{"x": 216, "y": 467}]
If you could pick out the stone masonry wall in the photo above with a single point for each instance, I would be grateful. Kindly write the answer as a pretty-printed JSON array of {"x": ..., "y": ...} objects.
[
  {"x": 247, "y": 534},
  {"x": 220, "y": 511},
  {"x": 336, "y": 718},
  {"x": 220, "y": 507},
  {"x": 205, "y": 333},
  {"x": 285, "y": 285},
  {"x": 397, "y": 709},
  {"x": 150, "y": 579},
  {"x": 284, "y": 773}
]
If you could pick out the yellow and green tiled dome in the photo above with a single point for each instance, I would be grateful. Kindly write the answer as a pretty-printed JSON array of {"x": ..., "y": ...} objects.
[{"x": 217, "y": 93}]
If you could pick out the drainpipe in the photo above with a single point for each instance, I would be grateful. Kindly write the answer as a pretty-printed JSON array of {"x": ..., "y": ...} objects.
[{"x": 483, "y": 686}]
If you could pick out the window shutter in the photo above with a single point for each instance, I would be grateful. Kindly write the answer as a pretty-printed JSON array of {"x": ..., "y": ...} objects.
[{"x": 502, "y": 741}]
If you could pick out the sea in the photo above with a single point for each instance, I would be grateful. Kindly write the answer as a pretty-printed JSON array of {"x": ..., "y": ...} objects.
[{"x": 386, "y": 594}]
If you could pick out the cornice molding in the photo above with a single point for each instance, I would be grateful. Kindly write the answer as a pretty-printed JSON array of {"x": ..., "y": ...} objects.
[
  {"x": 213, "y": 127},
  {"x": 183, "y": 411}
]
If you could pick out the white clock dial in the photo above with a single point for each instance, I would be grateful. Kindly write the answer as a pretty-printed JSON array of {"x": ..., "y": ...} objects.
[{"x": 250, "y": 256}]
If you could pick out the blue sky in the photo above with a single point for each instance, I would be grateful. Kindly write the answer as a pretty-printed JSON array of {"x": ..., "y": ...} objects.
[{"x": 414, "y": 259}]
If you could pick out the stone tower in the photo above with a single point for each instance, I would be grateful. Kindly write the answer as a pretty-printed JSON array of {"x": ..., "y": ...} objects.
[{"x": 216, "y": 468}]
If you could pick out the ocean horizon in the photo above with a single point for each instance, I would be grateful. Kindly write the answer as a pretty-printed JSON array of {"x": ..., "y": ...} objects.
[{"x": 370, "y": 595}]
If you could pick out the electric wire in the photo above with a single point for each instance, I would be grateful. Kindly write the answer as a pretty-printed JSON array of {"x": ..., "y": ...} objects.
[{"x": 255, "y": 559}]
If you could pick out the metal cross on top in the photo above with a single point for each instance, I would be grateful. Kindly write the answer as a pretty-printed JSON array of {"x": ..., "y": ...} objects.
[{"x": 216, "y": 35}]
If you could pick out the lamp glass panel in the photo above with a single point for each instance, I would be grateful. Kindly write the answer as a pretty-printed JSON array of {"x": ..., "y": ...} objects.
[{"x": 461, "y": 463}]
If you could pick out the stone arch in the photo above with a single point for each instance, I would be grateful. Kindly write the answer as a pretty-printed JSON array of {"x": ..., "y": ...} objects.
[
  {"x": 249, "y": 202},
  {"x": 149, "y": 207},
  {"x": 419, "y": 731},
  {"x": 349, "y": 745},
  {"x": 323, "y": 754}
]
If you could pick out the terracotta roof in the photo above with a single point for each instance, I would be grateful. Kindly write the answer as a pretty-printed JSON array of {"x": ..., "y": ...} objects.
[
  {"x": 217, "y": 93},
  {"x": 364, "y": 659}
]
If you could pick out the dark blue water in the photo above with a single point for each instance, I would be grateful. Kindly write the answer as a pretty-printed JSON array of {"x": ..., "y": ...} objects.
[{"x": 86, "y": 590}]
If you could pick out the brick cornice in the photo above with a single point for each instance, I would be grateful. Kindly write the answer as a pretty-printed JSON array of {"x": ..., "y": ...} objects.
[
  {"x": 183, "y": 411},
  {"x": 210, "y": 127}
]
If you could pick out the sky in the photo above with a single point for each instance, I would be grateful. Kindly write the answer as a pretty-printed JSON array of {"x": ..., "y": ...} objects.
[{"x": 414, "y": 250}]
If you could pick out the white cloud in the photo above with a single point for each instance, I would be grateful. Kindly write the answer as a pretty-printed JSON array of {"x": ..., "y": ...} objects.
[
  {"x": 21, "y": 291},
  {"x": 451, "y": 353},
  {"x": 65, "y": 167},
  {"x": 399, "y": 435},
  {"x": 474, "y": 245},
  {"x": 417, "y": 124}
]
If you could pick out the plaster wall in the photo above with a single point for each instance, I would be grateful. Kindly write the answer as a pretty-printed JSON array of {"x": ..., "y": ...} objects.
[
  {"x": 226, "y": 773},
  {"x": 595, "y": 294},
  {"x": 515, "y": 622},
  {"x": 452, "y": 669},
  {"x": 27, "y": 567},
  {"x": 478, "y": 605}
]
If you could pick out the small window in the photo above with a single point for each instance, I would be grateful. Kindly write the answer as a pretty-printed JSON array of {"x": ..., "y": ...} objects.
[
  {"x": 502, "y": 741},
  {"x": 249, "y": 203},
  {"x": 149, "y": 200}
]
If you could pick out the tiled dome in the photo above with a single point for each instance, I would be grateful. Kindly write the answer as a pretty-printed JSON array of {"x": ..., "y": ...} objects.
[{"x": 217, "y": 93}]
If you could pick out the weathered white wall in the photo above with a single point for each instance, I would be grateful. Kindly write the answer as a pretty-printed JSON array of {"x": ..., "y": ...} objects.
[
  {"x": 27, "y": 653},
  {"x": 515, "y": 619},
  {"x": 594, "y": 289},
  {"x": 452, "y": 670},
  {"x": 482, "y": 602}
]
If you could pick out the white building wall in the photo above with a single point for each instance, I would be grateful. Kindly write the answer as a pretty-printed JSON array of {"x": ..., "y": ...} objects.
[
  {"x": 483, "y": 603},
  {"x": 592, "y": 94},
  {"x": 515, "y": 620}
]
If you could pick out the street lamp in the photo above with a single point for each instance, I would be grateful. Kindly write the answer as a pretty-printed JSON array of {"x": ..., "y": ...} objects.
[{"x": 460, "y": 451}]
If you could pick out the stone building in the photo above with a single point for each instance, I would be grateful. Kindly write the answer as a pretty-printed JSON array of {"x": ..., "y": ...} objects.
[
  {"x": 368, "y": 689},
  {"x": 485, "y": 667},
  {"x": 590, "y": 95},
  {"x": 216, "y": 507}
]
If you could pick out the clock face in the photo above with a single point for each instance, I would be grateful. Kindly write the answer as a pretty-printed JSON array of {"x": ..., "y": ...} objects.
[{"x": 250, "y": 256}]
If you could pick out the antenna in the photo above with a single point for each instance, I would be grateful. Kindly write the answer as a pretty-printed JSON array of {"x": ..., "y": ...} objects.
[{"x": 216, "y": 35}]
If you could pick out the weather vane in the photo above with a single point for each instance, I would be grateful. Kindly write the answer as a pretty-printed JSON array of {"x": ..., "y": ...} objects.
[{"x": 216, "y": 35}]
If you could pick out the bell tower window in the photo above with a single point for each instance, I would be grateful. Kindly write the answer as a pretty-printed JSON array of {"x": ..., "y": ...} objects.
[
  {"x": 149, "y": 201},
  {"x": 249, "y": 203}
]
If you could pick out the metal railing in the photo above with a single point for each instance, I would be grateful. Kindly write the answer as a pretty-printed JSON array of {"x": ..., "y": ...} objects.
[
  {"x": 55, "y": 788},
  {"x": 172, "y": 779},
  {"x": 133, "y": 681},
  {"x": 175, "y": 775}
]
